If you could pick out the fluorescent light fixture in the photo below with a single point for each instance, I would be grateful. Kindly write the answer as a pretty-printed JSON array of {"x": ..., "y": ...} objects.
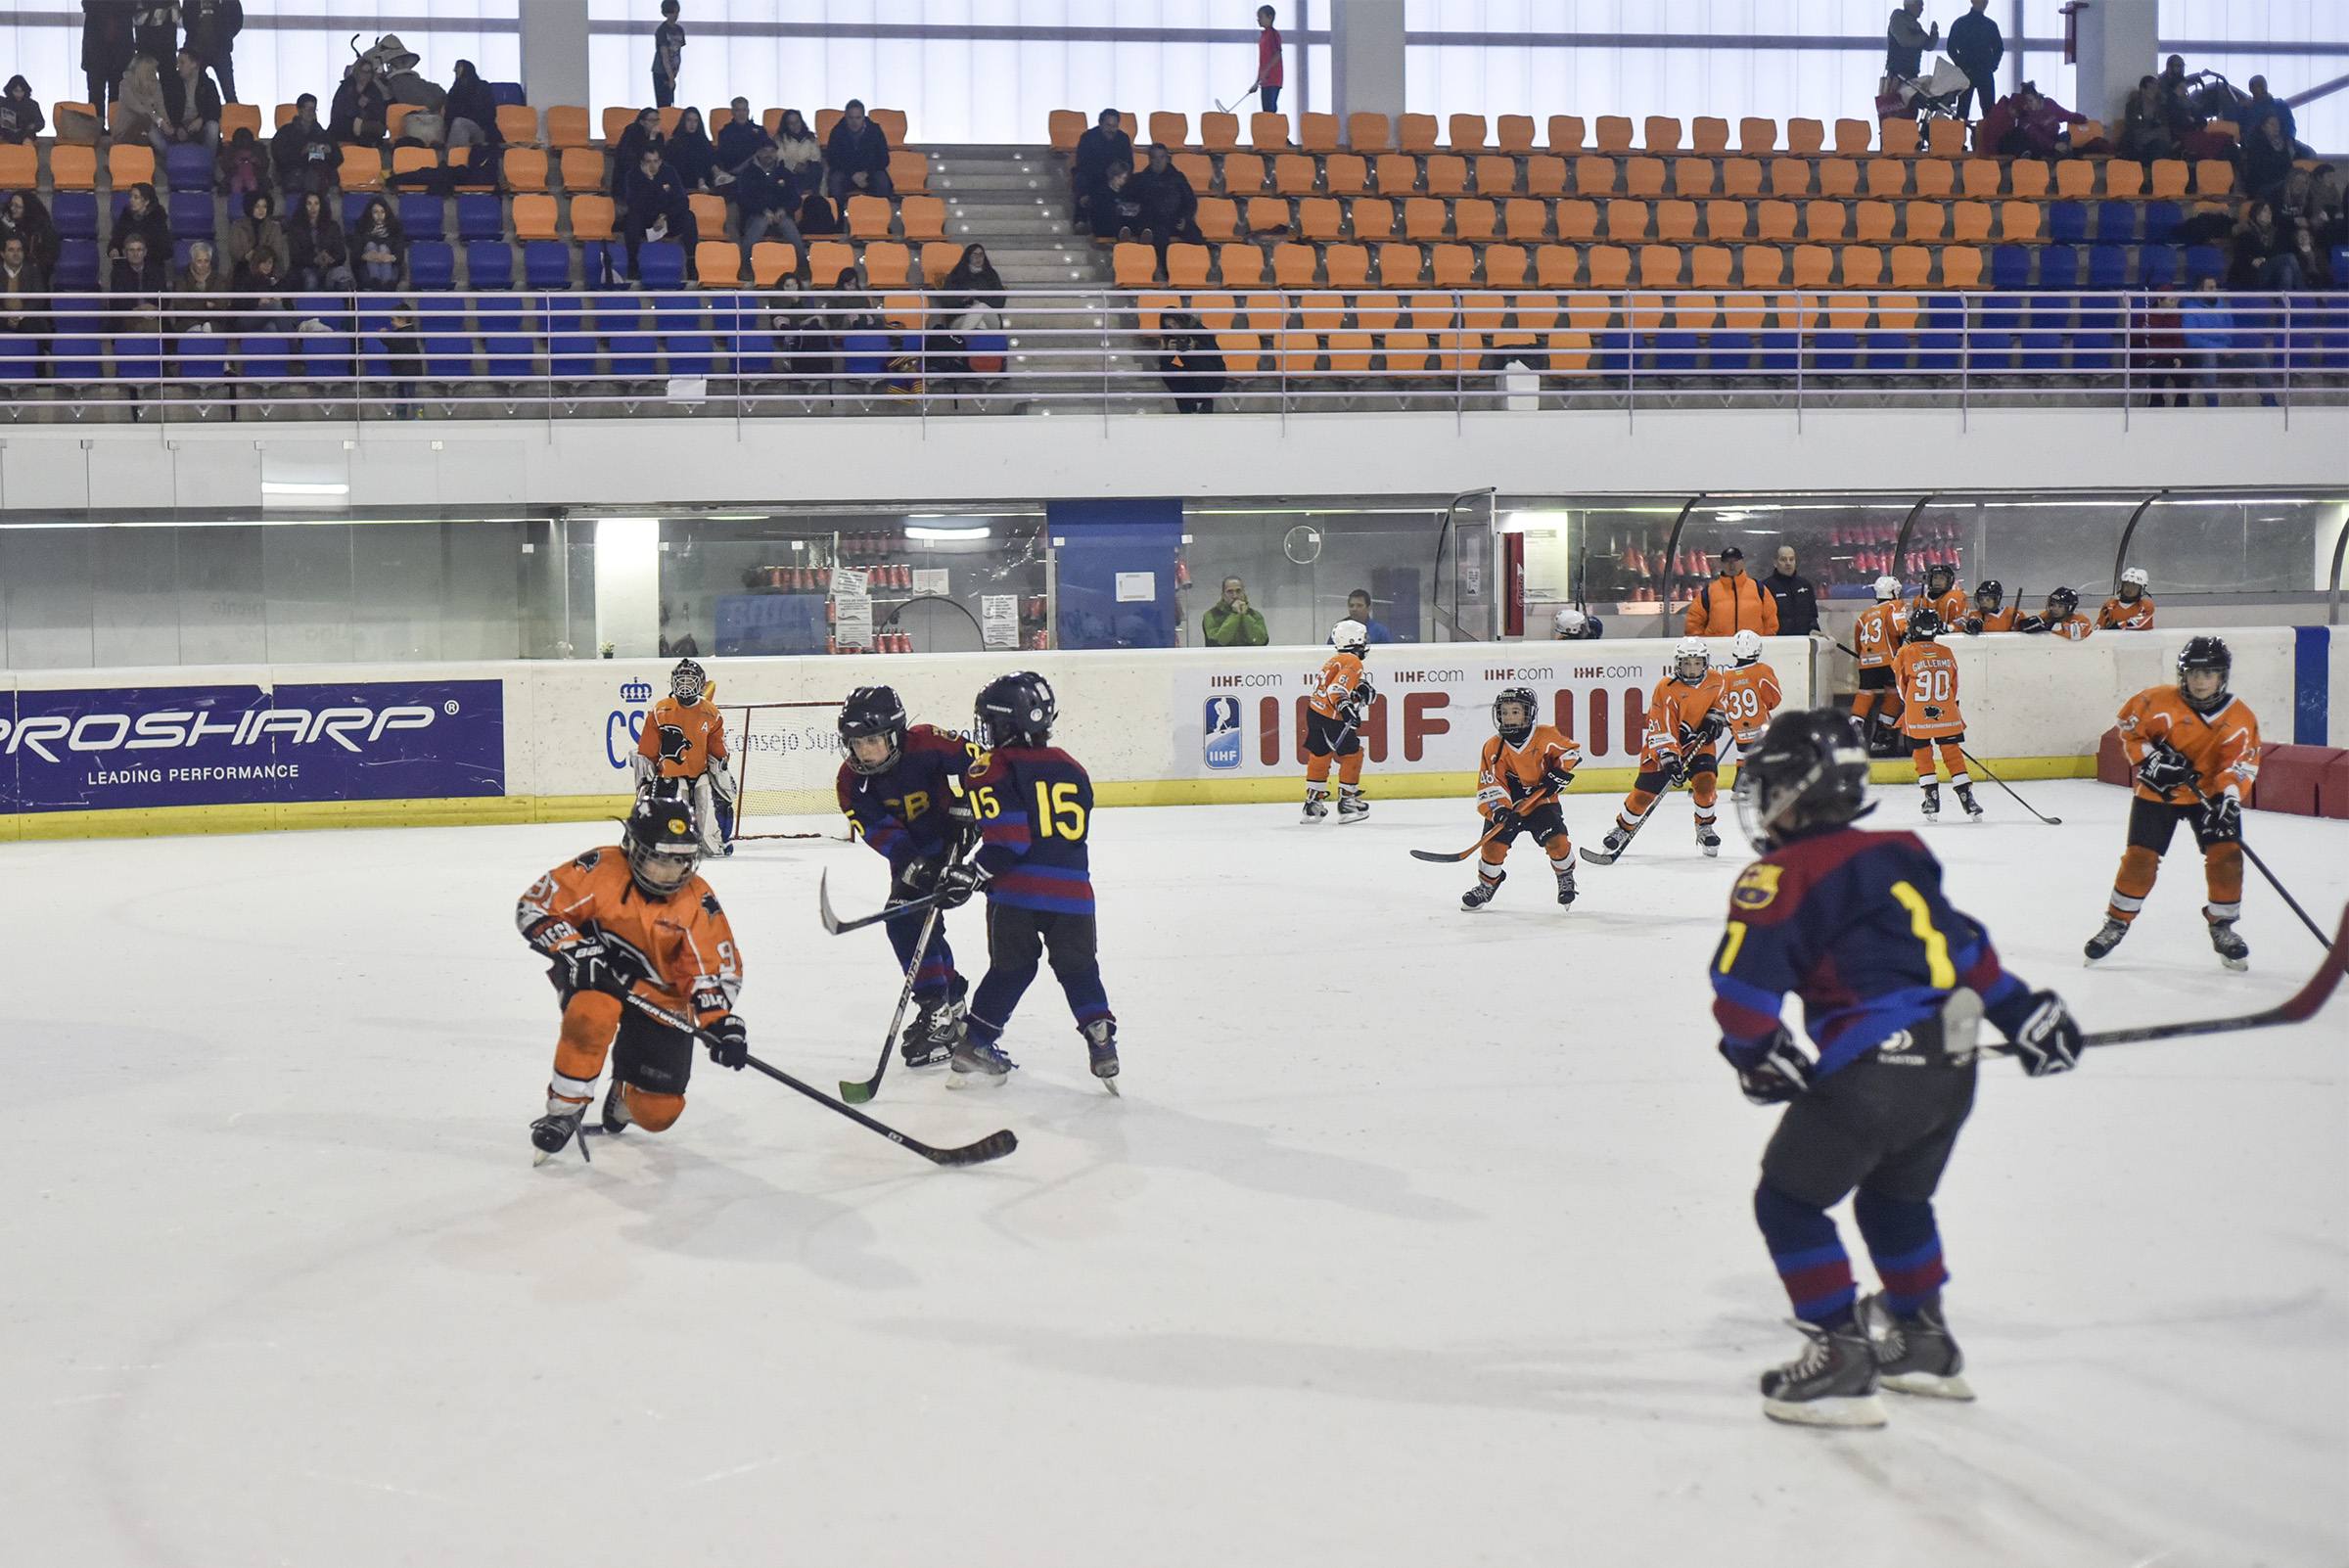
[
  {"x": 298, "y": 488},
  {"x": 920, "y": 531},
  {"x": 646, "y": 522}
]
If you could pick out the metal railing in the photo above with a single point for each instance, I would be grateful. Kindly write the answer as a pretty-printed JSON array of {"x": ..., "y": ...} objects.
[{"x": 743, "y": 353}]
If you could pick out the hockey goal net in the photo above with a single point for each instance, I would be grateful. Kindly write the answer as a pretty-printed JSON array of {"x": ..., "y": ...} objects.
[{"x": 786, "y": 758}]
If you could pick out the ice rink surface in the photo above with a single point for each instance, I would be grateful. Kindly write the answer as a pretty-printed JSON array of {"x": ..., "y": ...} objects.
[{"x": 1418, "y": 1238}]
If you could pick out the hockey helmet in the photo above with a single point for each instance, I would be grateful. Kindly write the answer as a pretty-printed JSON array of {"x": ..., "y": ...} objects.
[
  {"x": 664, "y": 846},
  {"x": 1924, "y": 624},
  {"x": 1351, "y": 636},
  {"x": 1685, "y": 651},
  {"x": 687, "y": 682},
  {"x": 868, "y": 711},
  {"x": 2133, "y": 578},
  {"x": 1515, "y": 734},
  {"x": 1016, "y": 709},
  {"x": 2064, "y": 600},
  {"x": 1990, "y": 589},
  {"x": 1940, "y": 578},
  {"x": 1809, "y": 774},
  {"x": 2205, "y": 653},
  {"x": 1569, "y": 623},
  {"x": 1746, "y": 647},
  {"x": 1887, "y": 588}
]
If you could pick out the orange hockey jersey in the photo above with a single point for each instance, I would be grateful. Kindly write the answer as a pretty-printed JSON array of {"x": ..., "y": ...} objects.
[
  {"x": 1512, "y": 773},
  {"x": 1878, "y": 631},
  {"x": 1749, "y": 695},
  {"x": 681, "y": 741},
  {"x": 1951, "y": 606},
  {"x": 1926, "y": 673},
  {"x": 2071, "y": 628},
  {"x": 2119, "y": 615},
  {"x": 2223, "y": 747},
  {"x": 1682, "y": 719},
  {"x": 1336, "y": 684},
  {"x": 680, "y": 951},
  {"x": 1976, "y": 621}
]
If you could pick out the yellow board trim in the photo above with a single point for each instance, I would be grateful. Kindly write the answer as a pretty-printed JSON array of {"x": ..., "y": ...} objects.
[{"x": 166, "y": 820}]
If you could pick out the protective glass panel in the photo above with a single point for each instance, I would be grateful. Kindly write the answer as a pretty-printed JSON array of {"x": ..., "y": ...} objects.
[{"x": 1300, "y": 565}]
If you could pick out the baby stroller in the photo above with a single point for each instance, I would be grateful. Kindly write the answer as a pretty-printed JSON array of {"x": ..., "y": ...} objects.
[{"x": 1935, "y": 95}]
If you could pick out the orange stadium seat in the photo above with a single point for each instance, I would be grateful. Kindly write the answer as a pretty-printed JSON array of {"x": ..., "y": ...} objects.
[
  {"x": 1219, "y": 217},
  {"x": 1368, "y": 133},
  {"x": 1791, "y": 177},
  {"x": 591, "y": 216},
  {"x": 2075, "y": 179},
  {"x": 234, "y": 118},
  {"x": 1806, "y": 138},
  {"x": 1556, "y": 266},
  {"x": 1294, "y": 174},
  {"x": 908, "y": 171},
  {"x": 1899, "y": 138},
  {"x": 363, "y": 168},
  {"x": 1186, "y": 264},
  {"x": 1423, "y": 218},
  {"x": 1377, "y": 312},
  {"x": 1243, "y": 353},
  {"x": 129, "y": 164},
  {"x": 582, "y": 169},
  {"x": 1627, "y": 220},
  {"x": 1924, "y": 222},
  {"x": 1474, "y": 219},
  {"x": 1663, "y": 133},
  {"x": 1134, "y": 265},
  {"x": 1694, "y": 177},
  {"x": 921, "y": 217},
  {"x": 1727, "y": 220},
  {"x": 1566, "y": 133},
  {"x": 2029, "y": 178},
  {"x": 1294, "y": 265},
  {"x": 1875, "y": 222},
  {"x": 1710, "y": 266},
  {"x": 533, "y": 216},
  {"x": 771, "y": 261},
  {"x": 1317, "y": 132},
  {"x": 1545, "y": 176},
  {"x": 1660, "y": 267},
  {"x": 1320, "y": 218},
  {"x": 1757, "y": 137},
  {"x": 1466, "y": 133},
  {"x": 617, "y": 117},
  {"x": 2124, "y": 178},
  {"x": 19, "y": 165},
  {"x": 1776, "y": 220},
  {"x": 1935, "y": 176},
  {"x": 1593, "y": 175},
  {"x": 1609, "y": 266},
  {"x": 414, "y": 159},
  {"x": 1397, "y": 173},
  {"x": 1961, "y": 267},
  {"x": 1451, "y": 266},
  {"x": 1525, "y": 219},
  {"x": 1970, "y": 222},
  {"x": 2019, "y": 221},
  {"x": 1825, "y": 221},
  {"x": 1346, "y": 174},
  {"x": 1371, "y": 221},
  {"x": 1346, "y": 265},
  {"x": 1911, "y": 266},
  {"x": 717, "y": 264},
  {"x": 1675, "y": 221},
  {"x": 1862, "y": 266},
  {"x": 1447, "y": 174},
  {"x": 1854, "y": 137},
  {"x": 1241, "y": 265},
  {"x": 1267, "y": 215},
  {"x": 1415, "y": 133},
  {"x": 1243, "y": 173},
  {"x": 1761, "y": 266},
  {"x": 518, "y": 124},
  {"x": 2213, "y": 176},
  {"x": 1268, "y": 133},
  {"x": 1198, "y": 171},
  {"x": 937, "y": 259},
  {"x": 1170, "y": 127},
  {"x": 1217, "y": 312},
  {"x": 1219, "y": 132},
  {"x": 1504, "y": 266},
  {"x": 2168, "y": 179},
  {"x": 1515, "y": 133},
  {"x": 1496, "y": 175},
  {"x": 1838, "y": 176},
  {"x": 1813, "y": 266},
  {"x": 828, "y": 260},
  {"x": 1980, "y": 178},
  {"x": 524, "y": 169},
  {"x": 1946, "y": 138},
  {"x": 1709, "y": 134},
  {"x": 1741, "y": 176},
  {"x": 1614, "y": 133},
  {"x": 893, "y": 124},
  {"x": 1643, "y": 176},
  {"x": 1399, "y": 265},
  {"x": 1578, "y": 220},
  {"x": 1883, "y": 178}
]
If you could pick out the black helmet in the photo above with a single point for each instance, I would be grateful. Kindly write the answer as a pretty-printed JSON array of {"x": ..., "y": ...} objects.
[
  {"x": 1924, "y": 624},
  {"x": 2205, "y": 653},
  {"x": 1014, "y": 710},
  {"x": 1993, "y": 589},
  {"x": 872, "y": 711},
  {"x": 1810, "y": 773},
  {"x": 663, "y": 846},
  {"x": 1516, "y": 735},
  {"x": 1944, "y": 570},
  {"x": 687, "y": 682},
  {"x": 2068, "y": 598}
]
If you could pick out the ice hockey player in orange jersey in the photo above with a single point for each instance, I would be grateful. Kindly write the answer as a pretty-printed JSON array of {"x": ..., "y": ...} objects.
[
  {"x": 1684, "y": 727},
  {"x": 1749, "y": 692},
  {"x": 2131, "y": 609},
  {"x": 634, "y": 919},
  {"x": 1941, "y": 594},
  {"x": 1527, "y": 766},
  {"x": 2062, "y": 617},
  {"x": 1989, "y": 611},
  {"x": 1335, "y": 711},
  {"x": 1876, "y": 637},
  {"x": 2196, "y": 749},
  {"x": 686, "y": 737},
  {"x": 1927, "y": 676}
]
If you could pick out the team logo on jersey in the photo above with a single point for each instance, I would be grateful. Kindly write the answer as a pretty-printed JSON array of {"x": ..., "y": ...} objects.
[
  {"x": 1220, "y": 743},
  {"x": 676, "y": 824},
  {"x": 673, "y": 744},
  {"x": 1758, "y": 887}
]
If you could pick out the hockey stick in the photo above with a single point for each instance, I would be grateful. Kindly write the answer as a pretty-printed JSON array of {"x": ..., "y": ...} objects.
[
  {"x": 859, "y": 1093},
  {"x": 993, "y": 1146},
  {"x": 1533, "y": 802},
  {"x": 837, "y": 926},
  {"x": 2051, "y": 821},
  {"x": 2252, "y": 855}
]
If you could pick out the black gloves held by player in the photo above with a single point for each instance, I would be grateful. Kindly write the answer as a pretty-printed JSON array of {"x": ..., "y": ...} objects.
[
  {"x": 1556, "y": 781},
  {"x": 1503, "y": 821},
  {"x": 730, "y": 1043},
  {"x": 1772, "y": 1071},
  {"x": 2223, "y": 819},
  {"x": 957, "y": 882},
  {"x": 1672, "y": 768},
  {"x": 588, "y": 965},
  {"x": 2164, "y": 768},
  {"x": 919, "y": 875},
  {"x": 2049, "y": 1041}
]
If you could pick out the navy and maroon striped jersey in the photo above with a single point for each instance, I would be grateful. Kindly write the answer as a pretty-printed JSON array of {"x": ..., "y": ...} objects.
[
  {"x": 1035, "y": 810},
  {"x": 902, "y": 813}
]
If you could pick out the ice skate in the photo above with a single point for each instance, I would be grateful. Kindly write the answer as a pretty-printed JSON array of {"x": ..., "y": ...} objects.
[
  {"x": 1610, "y": 849},
  {"x": 1478, "y": 896},
  {"x": 1832, "y": 1383},
  {"x": 1966, "y": 798},
  {"x": 1708, "y": 840},
  {"x": 1565, "y": 874},
  {"x": 929, "y": 1041},
  {"x": 2232, "y": 951},
  {"x": 615, "y": 1117},
  {"x": 977, "y": 1061},
  {"x": 1101, "y": 1044},
  {"x": 2104, "y": 941},
  {"x": 1914, "y": 1354},
  {"x": 1931, "y": 802},
  {"x": 1352, "y": 808},
  {"x": 1316, "y": 804},
  {"x": 552, "y": 1133}
]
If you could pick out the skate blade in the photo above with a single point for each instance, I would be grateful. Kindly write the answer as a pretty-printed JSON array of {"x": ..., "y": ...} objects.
[
  {"x": 1927, "y": 1385},
  {"x": 1712, "y": 851},
  {"x": 964, "y": 1080},
  {"x": 1348, "y": 821},
  {"x": 1111, "y": 1085},
  {"x": 2239, "y": 965},
  {"x": 1864, "y": 1409}
]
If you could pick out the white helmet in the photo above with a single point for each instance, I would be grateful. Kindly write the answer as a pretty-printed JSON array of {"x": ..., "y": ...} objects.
[
  {"x": 1350, "y": 636},
  {"x": 1569, "y": 623},
  {"x": 2136, "y": 576},
  {"x": 1887, "y": 588},
  {"x": 1746, "y": 647},
  {"x": 1689, "y": 648}
]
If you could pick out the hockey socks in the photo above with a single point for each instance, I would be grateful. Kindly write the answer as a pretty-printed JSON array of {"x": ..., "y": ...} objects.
[{"x": 1809, "y": 1256}]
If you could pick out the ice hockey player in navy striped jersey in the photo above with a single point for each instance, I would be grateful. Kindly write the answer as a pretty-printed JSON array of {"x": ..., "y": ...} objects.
[
  {"x": 1894, "y": 984},
  {"x": 1032, "y": 804}
]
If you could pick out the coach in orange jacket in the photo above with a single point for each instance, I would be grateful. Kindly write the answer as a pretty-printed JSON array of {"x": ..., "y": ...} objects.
[{"x": 1733, "y": 602}]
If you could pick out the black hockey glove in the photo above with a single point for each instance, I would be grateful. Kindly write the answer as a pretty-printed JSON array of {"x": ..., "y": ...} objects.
[
  {"x": 2223, "y": 819},
  {"x": 730, "y": 1043},
  {"x": 2049, "y": 1041},
  {"x": 1357, "y": 706},
  {"x": 1772, "y": 1072},
  {"x": 1971, "y": 625},
  {"x": 2164, "y": 768},
  {"x": 588, "y": 965},
  {"x": 1503, "y": 821},
  {"x": 957, "y": 882},
  {"x": 919, "y": 875},
  {"x": 1673, "y": 770},
  {"x": 1554, "y": 781}
]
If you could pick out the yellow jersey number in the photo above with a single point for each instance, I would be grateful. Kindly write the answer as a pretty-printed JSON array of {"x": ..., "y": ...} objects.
[{"x": 1058, "y": 812}]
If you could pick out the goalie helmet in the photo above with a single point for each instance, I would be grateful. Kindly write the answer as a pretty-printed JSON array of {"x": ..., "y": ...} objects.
[
  {"x": 1746, "y": 647},
  {"x": 1515, "y": 734},
  {"x": 1685, "y": 651},
  {"x": 1351, "y": 636},
  {"x": 687, "y": 682},
  {"x": 2205, "y": 653},
  {"x": 870, "y": 711},
  {"x": 1924, "y": 624},
  {"x": 1809, "y": 774},
  {"x": 1014, "y": 710},
  {"x": 664, "y": 846},
  {"x": 1887, "y": 588}
]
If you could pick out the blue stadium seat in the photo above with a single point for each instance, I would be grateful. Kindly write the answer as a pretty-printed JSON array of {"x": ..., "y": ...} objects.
[
  {"x": 76, "y": 264},
  {"x": 83, "y": 316},
  {"x": 1781, "y": 351},
  {"x": 191, "y": 214},
  {"x": 138, "y": 357},
  {"x": 182, "y": 248},
  {"x": 632, "y": 347},
  {"x": 202, "y": 361},
  {"x": 546, "y": 264},
  {"x": 77, "y": 359},
  {"x": 2010, "y": 268},
  {"x": 1679, "y": 352},
  {"x": 2059, "y": 267},
  {"x": 330, "y": 308},
  {"x": 481, "y": 217},
  {"x": 510, "y": 355},
  {"x": 2067, "y": 222},
  {"x": 684, "y": 334},
  {"x": 572, "y": 349},
  {"x": 266, "y": 358},
  {"x": 1991, "y": 344},
  {"x": 489, "y": 264},
  {"x": 1835, "y": 352},
  {"x": 421, "y": 217},
  {"x": 2096, "y": 338},
  {"x": 188, "y": 167},
  {"x": 608, "y": 312},
  {"x": 432, "y": 265},
  {"x": 20, "y": 357},
  {"x": 447, "y": 355},
  {"x": 2046, "y": 336},
  {"x": 507, "y": 93},
  {"x": 2108, "y": 267},
  {"x": 1611, "y": 353},
  {"x": 2161, "y": 221},
  {"x": 864, "y": 355},
  {"x": 1939, "y": 337},
  {"x": 323, "y": 356},
  {"x": 2156, "y": 267},
  {"x": 2205, "y": 261},
  {"x": 355, "y": 205},
  {"x": 1889, "y": 349},
  {"x": 748, "y": 344},
  {"x": 661, "y": 264},
  {"x": 75, "y": 215},
  {"x": 2116, "y": 222}
]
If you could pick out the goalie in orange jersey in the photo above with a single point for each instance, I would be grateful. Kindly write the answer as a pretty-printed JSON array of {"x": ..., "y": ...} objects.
[
  {"x": 1335, "y": 710},
  {"x": 1527, "y": 766},
  {"x": 633, "y": 919},
  {"x": 1684, "y": 727},
  {"x": 1749, "y": 692},
  {"x": 1927, "y": 676},
  {"x": 686, "y": 737},
  {"x": 2196, "y": 749}
]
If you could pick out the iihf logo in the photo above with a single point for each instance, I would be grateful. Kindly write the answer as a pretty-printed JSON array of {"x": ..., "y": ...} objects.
[
  {"x": 1222, "y": 729},
  {"x": 635, "y": 691}
]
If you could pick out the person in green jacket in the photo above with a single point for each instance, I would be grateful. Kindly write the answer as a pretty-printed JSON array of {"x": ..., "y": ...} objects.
[{"x": 1230, "y": 623}]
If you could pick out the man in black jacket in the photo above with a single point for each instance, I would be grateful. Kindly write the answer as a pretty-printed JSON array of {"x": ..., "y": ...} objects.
[
  {"x": 1098, "y": 150},
  {"x": 212, "y": 29},
  {"x": 106, "y": 49},
  {"x": 761, "y": 194},
  {"x": 1798, "y": 600},
  {"x": 305, "y": 158},
  {"x": 1976, "y": 46},
  {"x": 739, "y": 139},
  {"x": 856, "y": 157},
  {"x": 653, "y": 206},
  {"x": 1166, "y": 206}
]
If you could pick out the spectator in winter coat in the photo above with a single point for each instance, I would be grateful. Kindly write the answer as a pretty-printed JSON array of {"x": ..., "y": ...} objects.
[
  {"x": 802, "y": 155},
  {"x": 306, "y": 157},
  {"x": 2157, "y": 343},
  {"x": 2266, "y": 254},
  {"x": 242, "y": 168},
  {"x": 2207, "y": 324},
  {"x": 738, "y": 140},
  {"x": 642, "y": 132},
  {"x": 155, "y": 31},
  {"x": 1189, "y": 364},
  {"x": 1796, "y": 599},
  {"x": 1905, "y": 40},
  {"x": 471, "y": 109},
  {"x": 379, "y": 247},
  {"x": 690, "y": 153},
  {"x": 762, "y": 202},
  {"x": 203, "y": 305},
  {"x": 2267, "y": 160},
  {"x": 972, "y": 283},
  {"x": 1733, "y": 602},
  {"x": 106, "y": 49},
  {"x": 2145, "y": 133},
  {"x": 138, "y": 271},
  {"x": 268, "y": 310},
  {"x": 20, "y": 116},
  {"x": 142, "y": 215},
  {"x": 856, "y": 157},
  {"x": 24, "y": 218},
  {"x": 362, "y": 107},
  {"x": 318, "y": 255},
  {"x": 2026, "y": 123},
  {"x": 191, "y": 109},
  {"x": 260, "y": 230},
  {"x": 213, "y": 28},
  {"x": 2262, "y": 109},
  {"x": 818, "y": 216},
  {"x": 1103, "y": 146},
  {"x": 1231, "y": 622},
  {"x": 1976, "y": 46},
  {"x": 653, "y": 206},
  {"x": 139, "y": 108},
  {"x": 1166, "y": 206},
  {"x": 19, "y": 280}
]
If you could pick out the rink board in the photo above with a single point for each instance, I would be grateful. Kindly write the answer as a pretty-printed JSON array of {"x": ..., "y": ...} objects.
[{"x": 110, "y": 754}]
